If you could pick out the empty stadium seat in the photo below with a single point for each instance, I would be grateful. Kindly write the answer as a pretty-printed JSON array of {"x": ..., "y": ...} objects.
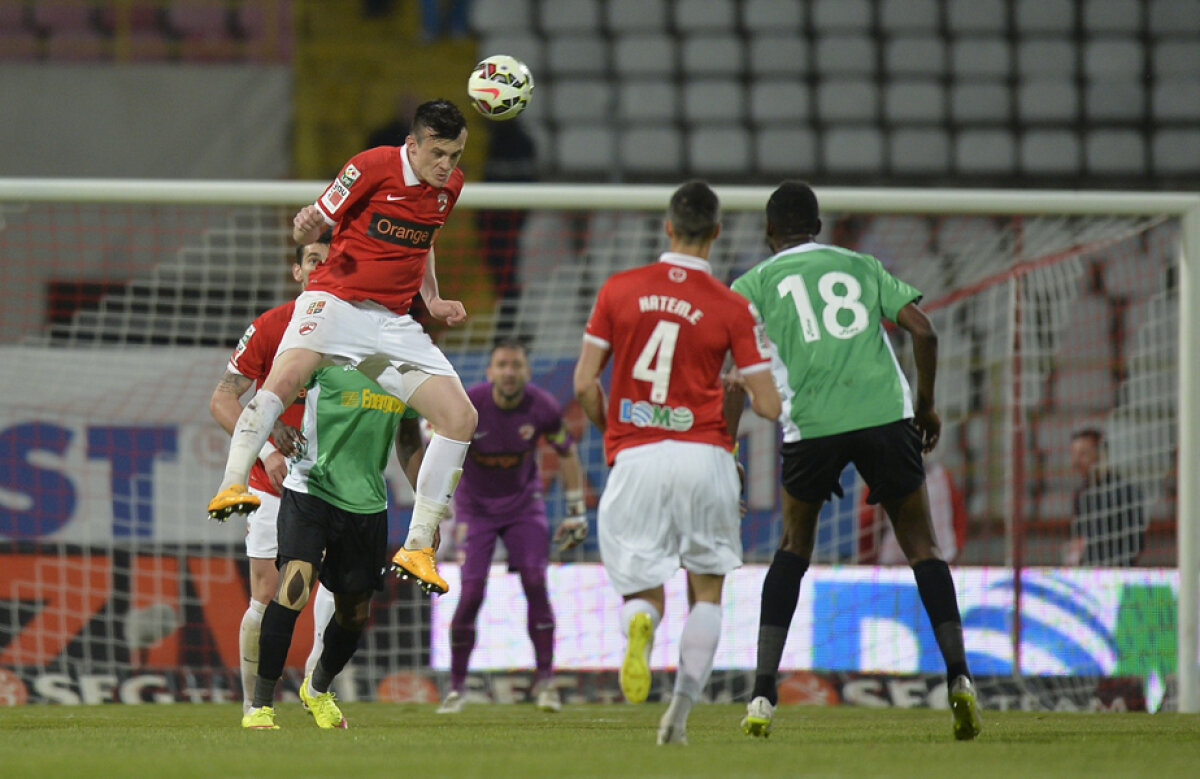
[
  {"x": 853, "y": 149},
  {"x": 1115, "y": 152},
  {"x": 522, "y": 44},
  {"x": 720, "y": 150},
  {"x": 986, "y": 57},
  {"x": 651, "y": 149},
  {"x": 979, "y": 101},
  {"x": 569, "y": 16},
  {"x": 1050, "y": 151},
  {"x": 837, "y": 15},
  {"x": 713, "y": 100},
  {"x": 1111, "y": 16},
  {"x": 773, "y": 55},
  {"x": 576, "y": 55},
  {"x": 693, "y": 15},
  {"x": 914, "y": 101},
  {"x": 1053, "y": 57},
  {"x": 636, "y": 15},
  {"x": 78, "y": 46},
  {"x": 1176, "y": 58},
  {"x": 647, "y": 101},
  {"x": 847, "y": 100},
  {"x": 18, "y": 45},
  {"x": 572, "y": 100},
  {"x": 644, "y": 54},
  {"x": 62, "y": 16},
  {"x": 488, "y": 17},
  {"x": 1174, "y": 17},
  {"x": 1115, "y": 99},
  {"x": 984, "y": 151},
  {"x": 786, "y": 150},
  {"x": 915, "y": 55},
  {"x": 920, "y": 16},
  {"x": 1045, "y": 16},
  {"x": 771, "y": 16},
  {"x": 707, "y": 54},
  {"x": 1047, "y": 100},
  {"x": 1113, "y": 56},
  {"x": 845, "y": 54},
  {"x": 586, "y": 148},
  {"x": 778, "y": 100},
  {"x": 1177, "y": 98},
  {"x": 922, "y": 150},
  {"x": 1176, "y": 151},
  {"x": 972, "y": 17}
]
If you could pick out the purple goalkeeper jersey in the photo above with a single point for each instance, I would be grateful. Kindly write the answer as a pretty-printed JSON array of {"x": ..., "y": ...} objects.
[{"x": 500, "y": 475}]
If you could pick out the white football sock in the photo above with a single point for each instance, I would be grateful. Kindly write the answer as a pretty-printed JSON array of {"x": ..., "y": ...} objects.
[
  {"x": 323, "y": 608},
  {"x": 252, "y": 430},
  {"x": 697, "y": 649},
  {"x": 248, "y": 650},
  {"x": 441, "y": 468}
]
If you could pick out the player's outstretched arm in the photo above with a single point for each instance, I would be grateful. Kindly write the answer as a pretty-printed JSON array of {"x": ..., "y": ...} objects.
[
  {"x": 588, "y": 390},
  {"x": 573, "y": 530},
  {"x": 764, "y": 398},
  {"x": 925, "y": 347},
  {"x": 734, "y": 401},
  {"x": 452, "y": 312}
]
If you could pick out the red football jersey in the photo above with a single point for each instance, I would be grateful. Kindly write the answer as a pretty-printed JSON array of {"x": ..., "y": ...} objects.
[
  {"x": 253, "y": 358},
  {"x": 385, "y": 221},
  {"x": 669, "y": 326}
]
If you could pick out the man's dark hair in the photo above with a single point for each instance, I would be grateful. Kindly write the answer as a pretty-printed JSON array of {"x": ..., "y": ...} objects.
[
  {"x": 325, "y": 238},
  {"x": 442, "y": 117},
  {"x": 1093, "y": 434},
  {"x": 509, "y": 342},
  {"x": 792, "y": 210},
  {"x": 694, "y": 212}
]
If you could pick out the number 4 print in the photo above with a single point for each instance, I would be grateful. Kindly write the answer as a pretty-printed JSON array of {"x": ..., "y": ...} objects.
[{"x": 661, "y": 344}]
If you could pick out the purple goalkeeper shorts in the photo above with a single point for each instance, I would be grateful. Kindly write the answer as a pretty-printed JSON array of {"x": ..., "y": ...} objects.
[{"x": 526, "y": 536}]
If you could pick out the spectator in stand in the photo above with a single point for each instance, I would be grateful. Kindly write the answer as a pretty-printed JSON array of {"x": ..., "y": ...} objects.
[
  {"x": 511, "y": 157},
  {"x": 1109, "y": 523}
]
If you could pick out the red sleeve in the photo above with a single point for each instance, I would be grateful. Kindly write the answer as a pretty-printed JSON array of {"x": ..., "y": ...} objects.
[
  {"x": 599, "y": 324},
  {"x": 355, "y": 181},
  {"x": 254, "y": 353},
  {"x": 749, "y": 349}
]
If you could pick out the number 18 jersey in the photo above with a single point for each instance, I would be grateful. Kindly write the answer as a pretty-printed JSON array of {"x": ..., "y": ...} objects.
[
  {"x": 669, "y": 326},
  {"x": 834, "y": 366}
]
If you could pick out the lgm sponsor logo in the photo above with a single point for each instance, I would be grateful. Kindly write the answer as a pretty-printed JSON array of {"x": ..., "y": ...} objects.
[{"x": 642, "y": 414}]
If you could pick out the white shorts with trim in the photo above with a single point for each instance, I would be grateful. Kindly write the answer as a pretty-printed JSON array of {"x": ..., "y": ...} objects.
[
  {"x": 391, "y": 348},
  {"x": 262, "y": 540},
  {"x": 666, "y": 505}
]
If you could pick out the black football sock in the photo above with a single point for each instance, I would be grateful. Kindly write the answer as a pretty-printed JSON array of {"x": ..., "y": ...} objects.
[
  {"x": 941, "y": 604},
  {"x": 274, "y": 638},
  {"x": 340, "y": 646},
  {"x": 780, "y": 593}
]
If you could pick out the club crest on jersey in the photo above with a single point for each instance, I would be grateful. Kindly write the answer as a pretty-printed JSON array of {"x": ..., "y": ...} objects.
[
  {"x": 349, "y": 176},
  {"x": 443, "y": 200},
  {"x": 642, "y": 414},
  {"x": 677, "y": 275},
  {"x": 526, "y": 432},
  {"x": 315, "y": 307},
  {"x": 307, "y": 327}
]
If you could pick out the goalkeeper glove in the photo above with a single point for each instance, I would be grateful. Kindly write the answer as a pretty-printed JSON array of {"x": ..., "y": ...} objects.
[{"x": 573, "y": 530}]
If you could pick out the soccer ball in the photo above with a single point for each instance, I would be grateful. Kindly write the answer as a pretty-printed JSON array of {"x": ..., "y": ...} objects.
[{"x": 499, "y": 87}]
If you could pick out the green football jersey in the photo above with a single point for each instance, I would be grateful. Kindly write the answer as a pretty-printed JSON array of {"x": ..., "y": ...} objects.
[
  {"x": 834, "y": 366},
  {"x": 350, "y": 424}
]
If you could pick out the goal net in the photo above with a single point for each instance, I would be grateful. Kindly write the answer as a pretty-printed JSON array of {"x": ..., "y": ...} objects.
[{"x": 1058, "y": 315}]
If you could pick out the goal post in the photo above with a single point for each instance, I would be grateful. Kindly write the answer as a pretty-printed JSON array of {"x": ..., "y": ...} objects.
[{"x": 125, "y": 296}]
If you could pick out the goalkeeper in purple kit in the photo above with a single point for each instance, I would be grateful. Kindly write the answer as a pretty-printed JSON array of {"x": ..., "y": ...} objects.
[{"x": 500, "y": 497}]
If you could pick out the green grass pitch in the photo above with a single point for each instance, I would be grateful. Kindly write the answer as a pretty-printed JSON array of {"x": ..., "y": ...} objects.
[{"x": 411, "y": 740}]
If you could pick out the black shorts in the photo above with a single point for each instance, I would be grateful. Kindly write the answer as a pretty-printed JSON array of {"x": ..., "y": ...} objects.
[
  {"x": 349, "y": 550},
  {"x": 888, "y": 457}
]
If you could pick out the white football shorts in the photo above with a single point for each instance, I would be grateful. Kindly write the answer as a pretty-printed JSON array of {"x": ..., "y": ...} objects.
[
  {"x": 666, "y": 505},
  {"x": 262, "y": 540},
  {"x": 391, "y": 348}
]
